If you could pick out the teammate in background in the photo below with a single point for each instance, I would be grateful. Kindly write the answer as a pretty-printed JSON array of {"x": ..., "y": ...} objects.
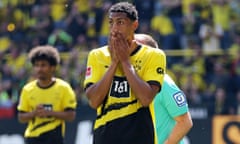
[
  {"x": 121, "y": 81},
  {"x": 47, "y": 102},
  {"x": 171, "y": 117}
]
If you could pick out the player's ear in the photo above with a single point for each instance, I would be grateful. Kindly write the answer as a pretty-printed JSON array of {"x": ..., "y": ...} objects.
[
  {"x": 135, "y": 25},
  {"x": 53, "y": 68}
]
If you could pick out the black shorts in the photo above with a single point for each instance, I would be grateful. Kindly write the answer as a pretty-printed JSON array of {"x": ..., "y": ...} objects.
[{"x": 50, "y": 137}]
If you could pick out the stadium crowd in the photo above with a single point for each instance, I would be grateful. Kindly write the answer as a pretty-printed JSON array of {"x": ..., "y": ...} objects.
[{"x": 200, "y": 37}]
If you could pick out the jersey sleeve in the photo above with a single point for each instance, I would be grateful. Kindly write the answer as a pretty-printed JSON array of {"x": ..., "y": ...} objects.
[
  {"x": 69, "y": 98},
  {"x": 156, "y": 67},
  {"x": 23, "y": 102},
  {"x": 174, "y": 99},
  {"x": 91, "y": 74}
]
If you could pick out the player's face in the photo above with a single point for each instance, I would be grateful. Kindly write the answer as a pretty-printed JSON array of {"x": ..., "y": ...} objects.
[
  {"x": 43, "y": 70},
  {"x": 119, "y": 22}
]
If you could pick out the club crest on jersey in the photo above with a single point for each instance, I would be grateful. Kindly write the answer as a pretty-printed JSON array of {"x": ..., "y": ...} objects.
[
  {"x": 138, "y": 65},
  {"x": 88, "y": 72},
  {"x": 179, "y": 98}
]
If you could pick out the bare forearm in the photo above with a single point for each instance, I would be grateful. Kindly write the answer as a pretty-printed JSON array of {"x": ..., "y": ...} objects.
[
  {"x": 177, "y": 134},
  {"x": 97, "y": 92},
  {"x": 143, "y": 91},
  {"x": 65, "y": 115},
  {"x": 182, "y": 127},
  {"x": 25, "y": 117}
]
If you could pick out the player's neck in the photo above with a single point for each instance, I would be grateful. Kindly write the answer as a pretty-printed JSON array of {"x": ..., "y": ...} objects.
[
  {"x": 133, "y": 46},
  {"x": 46, "y": 83}
]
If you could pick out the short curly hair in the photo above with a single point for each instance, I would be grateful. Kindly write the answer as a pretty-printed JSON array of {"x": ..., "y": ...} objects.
[
  {"x": 125, "y": 7},
  {"x": 47, "y": 53}
]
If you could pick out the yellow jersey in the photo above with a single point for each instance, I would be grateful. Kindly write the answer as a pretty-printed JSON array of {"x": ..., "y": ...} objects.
[
  {"x": 121, "y": 111},
  {"x": 57, "y": 97}
]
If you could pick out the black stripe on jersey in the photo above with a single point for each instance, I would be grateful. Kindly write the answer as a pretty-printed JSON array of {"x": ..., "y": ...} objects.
[
  {"x": 136, "y": 50},
  {"x": 115, "y": 106},
  {"x": 155, "y": 83},
  {"x": 53, "y": 136},
  {"x": 135, "y": 128},
  {"x": 88, "y": 85},
  {"x": 42, "y": 124}
]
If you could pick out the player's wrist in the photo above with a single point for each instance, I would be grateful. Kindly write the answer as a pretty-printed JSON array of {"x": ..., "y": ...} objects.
[
  {"x": 33, "y": 114},
  {"x": 169, "y": 141},
  {"x": 49, "y": 113},
  {"x": 166, "y": 141}
]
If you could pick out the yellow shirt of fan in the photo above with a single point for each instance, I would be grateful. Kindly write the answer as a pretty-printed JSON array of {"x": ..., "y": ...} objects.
[
  {"x": 162, "y": 24},
  {"x": 221, "y": 15},
  {"x": 57, "y": 97}
]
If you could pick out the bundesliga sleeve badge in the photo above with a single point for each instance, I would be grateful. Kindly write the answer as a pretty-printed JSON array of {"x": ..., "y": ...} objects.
[
  {"x": 88, "y": 72},
  {"x": 179, "y": 98}
]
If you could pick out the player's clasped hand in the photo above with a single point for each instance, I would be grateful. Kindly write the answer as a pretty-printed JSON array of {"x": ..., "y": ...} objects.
[
  {"x": 111, "y": 41},
  {"x": 121, "y": 46},
  {"x": 41, "y": 111}
]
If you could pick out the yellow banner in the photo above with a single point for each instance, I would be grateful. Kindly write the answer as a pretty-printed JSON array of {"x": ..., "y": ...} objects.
[{"x": 226, "y": 130}]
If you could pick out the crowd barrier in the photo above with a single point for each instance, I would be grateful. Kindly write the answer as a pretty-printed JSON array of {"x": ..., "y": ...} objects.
[{"x": 171, "y": 53}]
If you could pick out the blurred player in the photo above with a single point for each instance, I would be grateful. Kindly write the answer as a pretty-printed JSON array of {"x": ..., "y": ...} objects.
[
  {"x": 171, "y": 117},
  {"x": 122, "y": 78},
  {"x": 47, "y": 102}
]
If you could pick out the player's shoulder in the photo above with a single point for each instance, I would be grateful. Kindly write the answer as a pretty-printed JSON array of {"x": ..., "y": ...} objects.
[
  {"x": 30, "y": 85},
  {"x": 168, "y": 81},
  {"x": 159, "y": 52},
  {"x": 152, "y": 50},
  {"x": 168, "y": 78},
  {"x": 99, "y": 52},
  {"x": 62, "y": 83},
  {"x": 102, "y": 49}
]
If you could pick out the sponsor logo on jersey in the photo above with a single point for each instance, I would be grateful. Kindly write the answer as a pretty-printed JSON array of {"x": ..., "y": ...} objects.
[
  {"x": 179, "y": 98},
  {"x": 120, "y": 87},
  {"x": 160, "y": 70}
]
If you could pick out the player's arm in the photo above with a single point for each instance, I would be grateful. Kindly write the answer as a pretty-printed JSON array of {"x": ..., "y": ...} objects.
[
  {"x": 69, "y": 104},
  {"x": 142, "y": 90},
  {"x": 68, "y": 114},
  {"x": 183, "y": 125},
  {"x": 24, "y": 112},
  {"x": 98, "y": 91},
  {"x": 24, "y": 117}
]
